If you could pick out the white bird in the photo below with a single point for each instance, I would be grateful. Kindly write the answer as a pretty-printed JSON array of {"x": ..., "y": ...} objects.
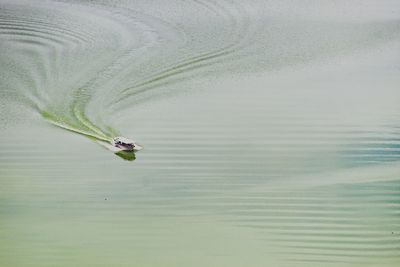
[{"x": 125, "y": 144}]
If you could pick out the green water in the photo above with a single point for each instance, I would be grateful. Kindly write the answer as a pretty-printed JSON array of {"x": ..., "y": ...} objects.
[{"x": 271, "y": 133}]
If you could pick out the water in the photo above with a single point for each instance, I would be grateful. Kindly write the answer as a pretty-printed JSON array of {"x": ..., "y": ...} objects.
[{"x": 271, "y": 133}]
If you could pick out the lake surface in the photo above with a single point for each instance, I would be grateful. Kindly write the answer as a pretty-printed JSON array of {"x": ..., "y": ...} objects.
[{"x": 271, "y": 133}]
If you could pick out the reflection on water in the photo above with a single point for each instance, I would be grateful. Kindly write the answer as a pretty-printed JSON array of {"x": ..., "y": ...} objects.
[
  {"x": 271, "y": 131},
  {"x": 126, "y": 155}
]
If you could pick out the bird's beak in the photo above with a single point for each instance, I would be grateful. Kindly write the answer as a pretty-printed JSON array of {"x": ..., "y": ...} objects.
[{"x": 137, "y": 147}]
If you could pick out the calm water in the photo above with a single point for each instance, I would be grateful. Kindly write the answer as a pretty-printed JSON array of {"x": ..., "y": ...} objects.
[{"x": 271, "y": 133}]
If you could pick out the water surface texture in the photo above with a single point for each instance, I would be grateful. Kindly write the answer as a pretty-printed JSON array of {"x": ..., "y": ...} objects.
[{"x": 271, "y": 133}]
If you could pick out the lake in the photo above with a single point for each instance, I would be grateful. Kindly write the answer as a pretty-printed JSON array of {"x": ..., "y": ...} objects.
[{"x": 271, "y": 133}]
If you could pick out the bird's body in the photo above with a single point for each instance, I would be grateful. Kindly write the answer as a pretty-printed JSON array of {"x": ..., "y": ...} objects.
[{"x": 125, "y": 144}]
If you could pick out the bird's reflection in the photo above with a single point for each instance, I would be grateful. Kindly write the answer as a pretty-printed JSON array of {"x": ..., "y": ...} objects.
[{"x": 126, "y": 155}]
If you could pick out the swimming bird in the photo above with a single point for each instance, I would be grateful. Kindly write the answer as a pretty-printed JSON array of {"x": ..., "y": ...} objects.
[{"x": 125, "y": 144}]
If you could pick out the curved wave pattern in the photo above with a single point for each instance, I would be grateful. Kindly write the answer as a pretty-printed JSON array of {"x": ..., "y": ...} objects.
[
  {"x": 56, "y": 58},
  {"x": 43, "y": 49},
  {"x": 274, "y": 42},
  {"x": 121, "y": 41},
  {"x": 199, "y": 52},
  {"x": 89, "y": 67}
]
